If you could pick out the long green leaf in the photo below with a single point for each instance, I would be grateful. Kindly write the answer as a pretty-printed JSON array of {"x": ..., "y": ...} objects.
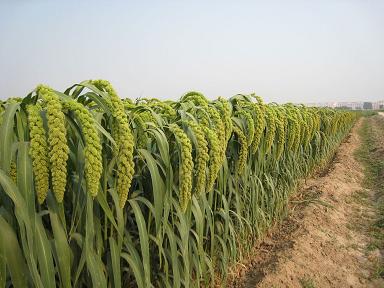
[
  {"x": 9, "y": 246},
  {"x": 144, "y": 241}
]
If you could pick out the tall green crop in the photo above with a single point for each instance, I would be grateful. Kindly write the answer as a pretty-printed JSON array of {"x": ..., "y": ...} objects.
[{"x": 98, "y": 191}]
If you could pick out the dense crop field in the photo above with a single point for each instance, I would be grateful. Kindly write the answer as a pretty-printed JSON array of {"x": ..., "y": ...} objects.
[{"x": 100, "y": 191}]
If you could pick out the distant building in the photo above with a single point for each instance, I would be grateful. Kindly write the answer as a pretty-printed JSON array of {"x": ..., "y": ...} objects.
[
  {"x": 367, "y": 106},
  {"x": 350, "y": 105},
  {"x": 357, "y": 105}
]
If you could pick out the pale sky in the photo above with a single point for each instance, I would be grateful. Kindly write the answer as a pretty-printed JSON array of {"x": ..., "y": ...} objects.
[{"x": 285, "y": 51}]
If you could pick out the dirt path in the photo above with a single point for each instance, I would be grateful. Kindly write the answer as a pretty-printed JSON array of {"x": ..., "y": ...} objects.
[{"x": 323, "y": 244}]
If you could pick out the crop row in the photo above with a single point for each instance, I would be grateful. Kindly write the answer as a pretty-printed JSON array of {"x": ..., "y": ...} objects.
[{"x": 99, "y": 191}]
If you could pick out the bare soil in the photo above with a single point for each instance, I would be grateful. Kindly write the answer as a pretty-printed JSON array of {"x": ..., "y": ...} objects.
[{"x": 325, "y": 241}]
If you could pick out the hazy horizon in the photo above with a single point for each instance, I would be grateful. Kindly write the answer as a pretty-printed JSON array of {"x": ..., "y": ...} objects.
[{"x": 302, "y": 51}]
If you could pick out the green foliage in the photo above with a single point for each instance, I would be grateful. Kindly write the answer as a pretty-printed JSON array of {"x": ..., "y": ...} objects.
[{"x": 99, "y": 191}]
